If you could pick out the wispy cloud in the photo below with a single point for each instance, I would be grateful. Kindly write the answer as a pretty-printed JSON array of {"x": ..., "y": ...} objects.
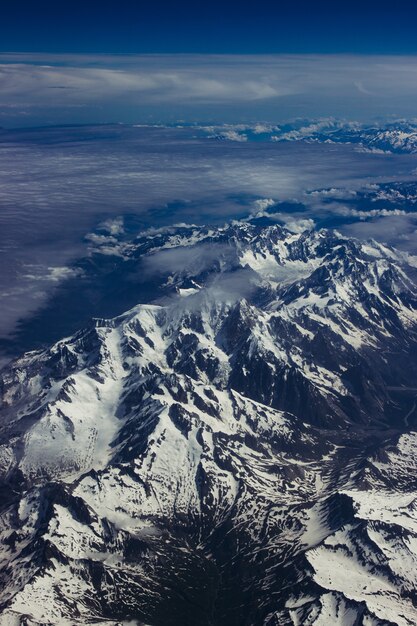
[
  {"x": 398, "y": 230},
  {"x": 82, "y": 85},
  {"x": 195, "y": 259}
]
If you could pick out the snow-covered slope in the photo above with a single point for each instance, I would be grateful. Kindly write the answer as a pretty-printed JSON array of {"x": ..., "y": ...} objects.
[
  {"x": 397, "y": 137},
  {"x": 239, "y": 453}
]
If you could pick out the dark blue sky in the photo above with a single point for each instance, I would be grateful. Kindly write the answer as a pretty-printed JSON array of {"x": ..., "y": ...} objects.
[{"x": 317, "y": 26}]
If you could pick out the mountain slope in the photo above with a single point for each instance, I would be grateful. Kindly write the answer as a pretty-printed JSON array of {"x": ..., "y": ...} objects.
[{"x": 240, "y": 453}]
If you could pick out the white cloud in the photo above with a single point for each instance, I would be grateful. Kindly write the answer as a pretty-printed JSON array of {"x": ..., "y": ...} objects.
[
  {"x": 52, "y": 274},
  {"x": 299, "y": 225},
  {"x": 261, "y": 206},
  {"x": 113, "y": 226},
  {"x": 233, "y": 135},
  {"x": 368, "y": 214},
  {"x": 333, "y": 192}
]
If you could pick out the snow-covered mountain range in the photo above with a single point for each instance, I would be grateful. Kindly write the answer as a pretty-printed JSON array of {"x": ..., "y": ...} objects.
[
  {"x": 239, "y": 453},
  {"x": 392, "y": 137}
]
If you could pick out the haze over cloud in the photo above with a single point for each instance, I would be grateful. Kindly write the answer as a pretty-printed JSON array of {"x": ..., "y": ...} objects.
[{"x": 133, "y": 88}]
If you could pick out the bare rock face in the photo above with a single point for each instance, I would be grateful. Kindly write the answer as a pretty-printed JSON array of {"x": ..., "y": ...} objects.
[{"x": 241, "y": 453}]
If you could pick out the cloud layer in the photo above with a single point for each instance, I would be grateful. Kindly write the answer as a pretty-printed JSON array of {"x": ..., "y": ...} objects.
[
  {"x": 129, "y": 88},
  {"x": 73, "y": 198}
]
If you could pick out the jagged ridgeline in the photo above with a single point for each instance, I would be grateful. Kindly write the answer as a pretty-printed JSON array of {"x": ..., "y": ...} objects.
[{"x": 241, "y": 453}]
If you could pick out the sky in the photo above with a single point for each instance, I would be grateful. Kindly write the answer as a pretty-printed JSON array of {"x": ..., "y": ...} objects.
[{"x": 227, "y": 27}]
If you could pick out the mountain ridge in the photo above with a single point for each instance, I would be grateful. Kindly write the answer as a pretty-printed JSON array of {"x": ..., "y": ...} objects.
[{"x": 226, "y": 455}]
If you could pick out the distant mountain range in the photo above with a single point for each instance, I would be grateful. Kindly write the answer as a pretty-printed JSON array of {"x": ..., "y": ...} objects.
[
  {"x": 240, "y": 453},
  {"x": 396, "y": 137}
]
